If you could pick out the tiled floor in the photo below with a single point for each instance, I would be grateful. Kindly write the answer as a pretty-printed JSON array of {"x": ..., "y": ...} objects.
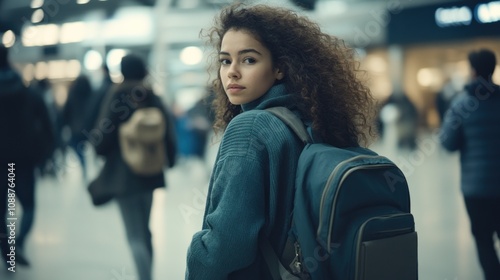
[{"x": 73, "y": 240}]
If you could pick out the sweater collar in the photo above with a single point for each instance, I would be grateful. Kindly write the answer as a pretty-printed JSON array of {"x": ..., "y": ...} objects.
[{"x": 275, "y": 96}]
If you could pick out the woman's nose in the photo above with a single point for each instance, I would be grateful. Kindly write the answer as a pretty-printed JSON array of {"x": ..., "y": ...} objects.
[{"x": 233, "y": 72}]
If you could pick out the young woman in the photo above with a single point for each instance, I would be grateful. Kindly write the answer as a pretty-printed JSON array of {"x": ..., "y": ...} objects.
[{"x": 264, "y": 62}]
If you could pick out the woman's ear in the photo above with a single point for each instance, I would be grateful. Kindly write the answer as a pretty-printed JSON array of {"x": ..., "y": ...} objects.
[{"x": 279, "y": 74}]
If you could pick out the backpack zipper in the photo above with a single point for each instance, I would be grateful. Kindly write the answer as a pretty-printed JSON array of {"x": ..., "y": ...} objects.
[
  {"x": 360, "y": 234},
  {"x": 344, "y": 176}
]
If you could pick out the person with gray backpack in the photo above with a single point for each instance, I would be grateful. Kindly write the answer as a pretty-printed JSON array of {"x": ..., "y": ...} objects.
[
  {"x": 135, "y": 134},
  {"x": 293, "y": 194}
]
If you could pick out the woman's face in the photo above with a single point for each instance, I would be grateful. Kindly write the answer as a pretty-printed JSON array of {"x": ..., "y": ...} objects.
[{"x": 246, "y": 68}]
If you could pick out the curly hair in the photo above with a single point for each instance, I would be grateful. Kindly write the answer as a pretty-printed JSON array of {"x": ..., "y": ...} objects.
[{"x": 320, "y": 72}]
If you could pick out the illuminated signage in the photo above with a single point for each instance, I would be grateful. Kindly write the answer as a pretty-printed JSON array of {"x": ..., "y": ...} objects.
[
  {"x": 461, "y": 16},
  {"x": 488, "y": 13},
  {"x": 453, "y": 16}
]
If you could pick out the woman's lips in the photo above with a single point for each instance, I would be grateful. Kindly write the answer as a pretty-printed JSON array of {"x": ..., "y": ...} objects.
[{"x": 233, "y": 88}]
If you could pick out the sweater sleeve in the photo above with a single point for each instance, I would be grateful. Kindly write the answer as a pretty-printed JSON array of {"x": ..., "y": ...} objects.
[
  {"x": 451, "y": 129},
  {"x": 235, "y": 212}
]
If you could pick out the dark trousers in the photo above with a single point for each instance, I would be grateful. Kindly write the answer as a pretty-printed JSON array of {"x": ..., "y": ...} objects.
[
  {"x": 135, "y": 210},
  {"x": 26, "y": 196},
  {"x": 79, "y": 147},
  {"x": 484, "y": 214}
]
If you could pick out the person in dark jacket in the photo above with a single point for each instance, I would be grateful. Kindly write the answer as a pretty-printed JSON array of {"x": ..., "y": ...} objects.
[
  {"x": 27, "y": 141},
  {"x": 98, "y": 97},
  {"x": 134, "y": 193},
  {"x": 75, "y": 114},
  {"x": 44, "y": 89},
  {"x": 472, "y": 127}
]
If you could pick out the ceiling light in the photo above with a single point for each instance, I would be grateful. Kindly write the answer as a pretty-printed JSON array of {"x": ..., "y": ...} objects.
[
  {"x": 326, "y": 8},
  {"x": 37, "y": 16},
  {"x": 92, "y": 60},
  {"x": 35, "y": 4},
  {"x": 191, "y": 55},
  {"x": 72, "y": 32},
  {"x": 114, "y": 58},
  {"x": 8, "y": 39}
]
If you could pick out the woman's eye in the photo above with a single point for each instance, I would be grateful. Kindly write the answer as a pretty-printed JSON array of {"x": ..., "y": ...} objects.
[
  {"x": 249, "y": 60},
  {"x": 224, "y": 61}
]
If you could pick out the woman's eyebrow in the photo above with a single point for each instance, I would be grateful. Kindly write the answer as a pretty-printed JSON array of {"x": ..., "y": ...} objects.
[{"x": 242, "y": 52}]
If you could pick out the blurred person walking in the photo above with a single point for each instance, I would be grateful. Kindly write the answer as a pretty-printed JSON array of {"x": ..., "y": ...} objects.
[
  {"x": 27, "y": 141},
  {"x": 44, "y": 89},
  {"x": 98, "y": 97},
  {"x": 445, "y": 97},
  {"x": 75, "y": 115},
  {"x": 132, "y": 191},
  {"x": 472, "y": 127},
  {"x": 406, "y": 120},
  {"x": 193, "y": 128}
]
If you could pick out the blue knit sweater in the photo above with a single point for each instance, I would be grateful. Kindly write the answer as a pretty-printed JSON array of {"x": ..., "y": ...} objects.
[{"x": 250, "y": 194}]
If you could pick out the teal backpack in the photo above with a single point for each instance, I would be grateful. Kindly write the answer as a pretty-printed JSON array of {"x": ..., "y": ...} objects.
[{"x": 351, "y": 217}]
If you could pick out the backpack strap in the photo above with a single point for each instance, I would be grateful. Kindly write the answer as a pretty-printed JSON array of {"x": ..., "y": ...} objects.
[
  {"x": 272, "y": 260},
  {"x": 278, "y": 271},
  {"x": 292, "y": 121}
]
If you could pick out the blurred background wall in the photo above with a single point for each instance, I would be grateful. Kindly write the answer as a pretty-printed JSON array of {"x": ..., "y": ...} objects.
[{"x": 412, "y": 47}]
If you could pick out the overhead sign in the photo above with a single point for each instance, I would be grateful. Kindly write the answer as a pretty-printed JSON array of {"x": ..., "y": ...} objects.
[
  {"x": 488, "y": 13},
  {"x": 463, "y": 15},
  {"x": 458, "y": 20},
  {"x": 453, "y": 16}
]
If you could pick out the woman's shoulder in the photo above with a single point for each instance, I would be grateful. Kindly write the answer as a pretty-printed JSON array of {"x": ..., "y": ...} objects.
[
  {"x": 255, "y": 121},
  {"x": 255, "y": 130}
]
